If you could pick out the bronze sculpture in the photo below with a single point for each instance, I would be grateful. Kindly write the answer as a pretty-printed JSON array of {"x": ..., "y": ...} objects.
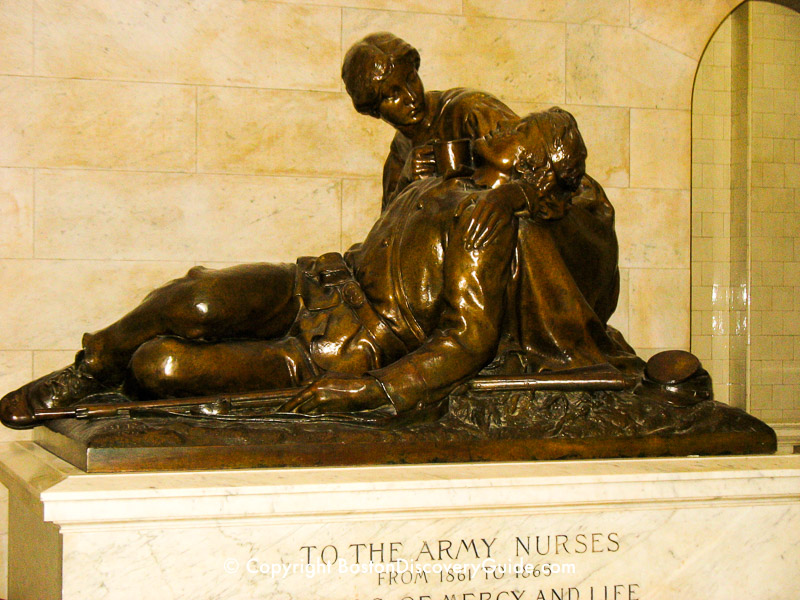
[
  {"x": 407, "y": 315},
  {"x": 507, "y": 269}
]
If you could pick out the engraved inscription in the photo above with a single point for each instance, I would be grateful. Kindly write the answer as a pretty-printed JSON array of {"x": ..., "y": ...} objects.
[{"x": 470, "y": 568}]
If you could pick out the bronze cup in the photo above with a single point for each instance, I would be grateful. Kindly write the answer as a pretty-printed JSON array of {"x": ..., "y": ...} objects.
[{"x": 452, "y": 156}]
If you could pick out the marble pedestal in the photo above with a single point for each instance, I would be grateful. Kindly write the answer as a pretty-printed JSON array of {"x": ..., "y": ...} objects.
[{"x": 711, "y": 528}]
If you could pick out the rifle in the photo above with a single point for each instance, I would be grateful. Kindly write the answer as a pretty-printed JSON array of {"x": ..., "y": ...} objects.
[
  {"x": 582, "y": 379},
  {"x": 218, "y": 404}
]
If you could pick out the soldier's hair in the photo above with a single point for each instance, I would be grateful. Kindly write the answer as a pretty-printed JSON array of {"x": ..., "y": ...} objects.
[
  {"x": 561, "y": 148},
  {"x": 369, "y": 62}
]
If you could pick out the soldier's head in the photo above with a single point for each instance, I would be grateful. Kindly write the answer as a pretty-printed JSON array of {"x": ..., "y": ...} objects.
[
  {"x": 544, "y": 150},
  {"x": 380, "y": 74}
]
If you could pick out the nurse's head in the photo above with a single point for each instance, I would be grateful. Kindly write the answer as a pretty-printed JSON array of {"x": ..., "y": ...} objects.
[{"x": 380, "y": 74}]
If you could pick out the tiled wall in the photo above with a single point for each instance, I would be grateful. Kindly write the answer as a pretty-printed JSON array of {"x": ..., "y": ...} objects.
[
  {"x": 739, "y": 305},
  {"x": 745, "y": 195},
  {"x": 711, "y": 210},
  {"x": 775, "y": 214}
]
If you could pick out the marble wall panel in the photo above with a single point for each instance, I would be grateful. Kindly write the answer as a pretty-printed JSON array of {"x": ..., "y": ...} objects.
[
  {"x": 525, "y": 108},
  {"x": 620, "y": 319},
  {"x": 69, "y": 298},
  {"x": 534, "y": 10},
  {"x": 614, "y": 66},
  {"x": 361, "y": 207},
  {"x": 16, "y": 213},
  {"x": 658, "y": 315},
  {"x": 450, "y": 7},
  {"x": 661, "y": 149},
  {"x": 47, "y": 361},
  {"x": 168, "y": 216},
  {"x": 685, "y": 26},
  {"x": 77, "y": 123},
  {"x": 16, "y": 37},
  {"x": 653, "y": 227},
  {"x": 293, "y": 133},
  {"x": 230, "y": 42},
  {"x": 515, "y": 60},
  {"x": 15, "y": 370},
  {"x": 606, "y": 133},
  {"x": 606, "y": 12},
  {"x": 646, "y": 353}
]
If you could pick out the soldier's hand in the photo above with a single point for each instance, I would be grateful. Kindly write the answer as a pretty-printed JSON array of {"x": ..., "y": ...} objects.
[{"x": 337, "y": 393}]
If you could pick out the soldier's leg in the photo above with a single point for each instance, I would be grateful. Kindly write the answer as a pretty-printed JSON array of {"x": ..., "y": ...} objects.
[
  {"x": 249, "y": 301},
  {"x": 169, "y": 366},
  {"x": 246, "y": 301}
]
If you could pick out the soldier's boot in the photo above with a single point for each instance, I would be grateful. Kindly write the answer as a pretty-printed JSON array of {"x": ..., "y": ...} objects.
[{"x": 60, "y": 388}]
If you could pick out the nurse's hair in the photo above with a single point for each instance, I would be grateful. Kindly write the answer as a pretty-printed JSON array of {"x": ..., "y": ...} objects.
[{"x": 369, "y": 62}]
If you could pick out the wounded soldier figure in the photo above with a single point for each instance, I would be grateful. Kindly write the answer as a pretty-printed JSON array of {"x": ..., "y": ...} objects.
[{"x": 514, "y": 265}]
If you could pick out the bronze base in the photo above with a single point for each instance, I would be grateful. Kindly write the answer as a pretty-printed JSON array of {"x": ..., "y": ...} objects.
[{"x": 620, "y": 425}]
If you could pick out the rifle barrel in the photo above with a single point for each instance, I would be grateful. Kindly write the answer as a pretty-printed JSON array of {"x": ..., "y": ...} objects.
[
  {"x": 265, "y": 398},
  {"x": 565, "y": 381}
]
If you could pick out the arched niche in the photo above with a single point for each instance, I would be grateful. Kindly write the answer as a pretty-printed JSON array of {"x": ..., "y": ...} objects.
[{"x": 746, "y": 209}]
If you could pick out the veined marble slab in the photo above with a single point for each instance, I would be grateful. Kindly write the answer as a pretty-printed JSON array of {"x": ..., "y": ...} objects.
[{"x": 719, "y": 527}]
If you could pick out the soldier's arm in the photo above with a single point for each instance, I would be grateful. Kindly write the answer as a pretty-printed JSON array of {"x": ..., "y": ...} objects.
[{"x": 469, "y": 328}]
